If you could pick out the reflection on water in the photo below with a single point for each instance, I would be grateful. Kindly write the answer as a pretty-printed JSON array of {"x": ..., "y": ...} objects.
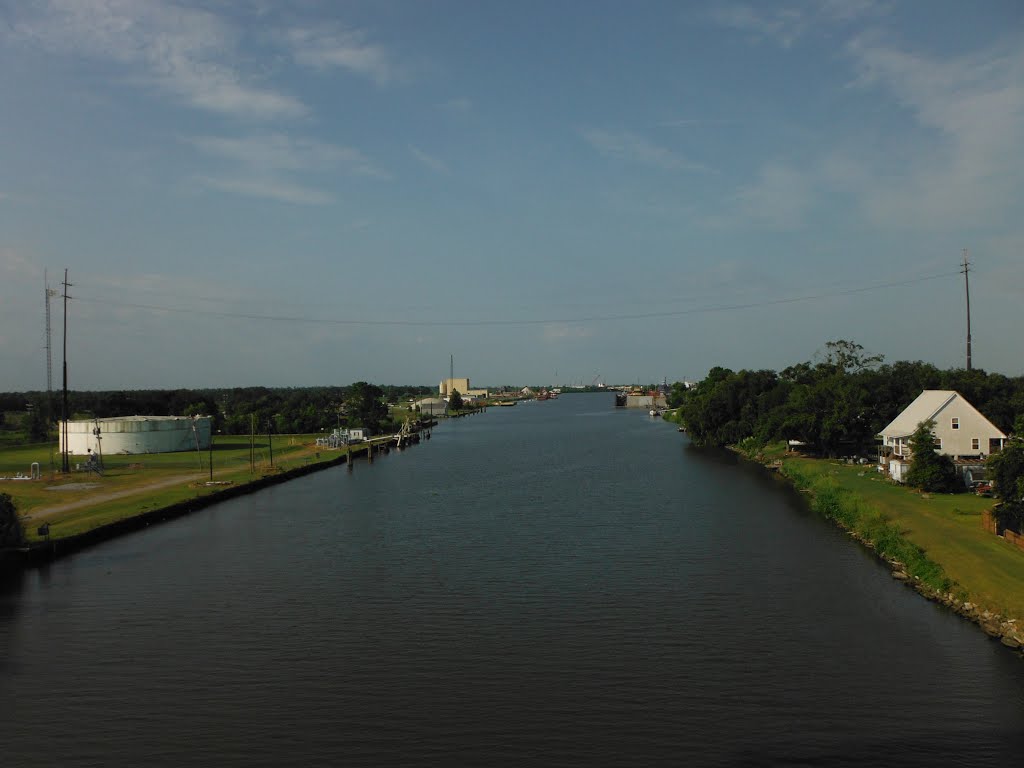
[{"x": 558, "y": 583}]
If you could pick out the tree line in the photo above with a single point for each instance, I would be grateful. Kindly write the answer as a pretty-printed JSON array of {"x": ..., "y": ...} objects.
[
  {"x": 836, "y": 404},
  {"x": 285, "y": 410}
]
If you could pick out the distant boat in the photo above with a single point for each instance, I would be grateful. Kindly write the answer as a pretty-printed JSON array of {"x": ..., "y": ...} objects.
[
  {"x": 506, "y": 403},
  {"x": 544, "y": 395}
]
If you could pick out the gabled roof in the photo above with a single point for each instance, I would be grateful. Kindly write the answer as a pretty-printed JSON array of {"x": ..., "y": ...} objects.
[{"x": 926, "y": 406}]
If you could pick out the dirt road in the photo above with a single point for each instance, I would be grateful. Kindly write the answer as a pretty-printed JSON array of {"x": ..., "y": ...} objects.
[{"x": 94, "y": 499}]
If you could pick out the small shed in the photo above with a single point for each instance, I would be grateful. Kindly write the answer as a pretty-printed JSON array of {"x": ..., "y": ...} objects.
[
  {"x": 357, "y": 434},
  {"x": 898, "y": 469}
]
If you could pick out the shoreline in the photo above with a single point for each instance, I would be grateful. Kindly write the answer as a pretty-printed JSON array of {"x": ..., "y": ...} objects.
[
  {"x": 1009, "y": 631},
  {"x": 38, "y": 553}
]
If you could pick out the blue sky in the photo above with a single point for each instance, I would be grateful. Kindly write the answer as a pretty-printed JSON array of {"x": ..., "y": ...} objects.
[{"x": 288, "y": 194}]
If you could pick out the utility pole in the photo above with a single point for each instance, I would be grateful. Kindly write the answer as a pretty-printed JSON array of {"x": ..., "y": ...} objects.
[
  {"x": 451, "y": 382},
  {"x": 967, "y": 286},
  {"x": 65, "y": 466},
  {"x": 270, "y": 443}
]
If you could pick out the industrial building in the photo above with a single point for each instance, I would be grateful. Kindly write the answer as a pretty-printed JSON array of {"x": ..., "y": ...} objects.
[
  {"x": 432, "y": 406},
  {"x": 461, "y": 386},
  {"x": 137, "y": 434}
]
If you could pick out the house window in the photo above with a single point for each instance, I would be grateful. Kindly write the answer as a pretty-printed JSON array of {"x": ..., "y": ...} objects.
[
  {"x": 954, "y": 423},
  {"x": 938, "y": 443},
  {"x": 975, "y": 443}
]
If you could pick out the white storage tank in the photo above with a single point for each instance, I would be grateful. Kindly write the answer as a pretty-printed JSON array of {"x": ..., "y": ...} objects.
[{"x": 137, "y": 434}]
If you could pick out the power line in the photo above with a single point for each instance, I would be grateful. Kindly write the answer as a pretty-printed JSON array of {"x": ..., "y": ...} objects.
[{"x": 506, "y": 322}]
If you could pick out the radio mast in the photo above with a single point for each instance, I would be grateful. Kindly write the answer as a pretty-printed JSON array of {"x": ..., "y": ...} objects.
[
  {"x": 50, "y": 293},
  {"x": 967, "y": 285},
  {"x": 65, "y": 466}
]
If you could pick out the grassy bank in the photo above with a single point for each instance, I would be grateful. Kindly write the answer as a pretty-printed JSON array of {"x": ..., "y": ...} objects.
[
  {"x": 130, "y": 485},
  {"x": 935, "y": 539}
]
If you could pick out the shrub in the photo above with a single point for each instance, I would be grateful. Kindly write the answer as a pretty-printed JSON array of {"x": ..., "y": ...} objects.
[
  {"x": 11, "y": 532},
  {"x": 929, "y": 470}
]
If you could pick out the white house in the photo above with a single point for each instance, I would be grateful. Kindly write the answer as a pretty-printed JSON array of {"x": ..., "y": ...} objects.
[{"x": 960, "y": 429}]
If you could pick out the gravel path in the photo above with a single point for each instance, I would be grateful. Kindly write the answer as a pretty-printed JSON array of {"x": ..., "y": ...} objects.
[{"x": 49, "y": 511}]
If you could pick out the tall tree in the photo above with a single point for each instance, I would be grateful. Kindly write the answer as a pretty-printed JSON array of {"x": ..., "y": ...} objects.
[
  {"x": 1007, "y": 472},
  {"x": 929, "y": 470},
  {"x": 365, "y": 406},
  {"x": 849, "y": 357},
  {"x": 455, "y": 401}
]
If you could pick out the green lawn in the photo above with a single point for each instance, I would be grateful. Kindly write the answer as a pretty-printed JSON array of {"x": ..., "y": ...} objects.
[
  {"x": 143, "y": 482},
  {"x": 947, "y": 527}
]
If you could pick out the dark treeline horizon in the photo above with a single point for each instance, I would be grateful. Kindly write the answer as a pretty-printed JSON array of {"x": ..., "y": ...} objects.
[
  {"x": 282, "y": 409},
  {"x": 836, "y": 403}
]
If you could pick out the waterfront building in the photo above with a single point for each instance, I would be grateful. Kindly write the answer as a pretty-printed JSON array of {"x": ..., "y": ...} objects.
[
  {"x": 461, "y": 385},
  {"x": 960, "y": 428}
]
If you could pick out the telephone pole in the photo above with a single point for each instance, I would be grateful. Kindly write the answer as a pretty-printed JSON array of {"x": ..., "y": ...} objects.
[
  {"x": 65, "y": 466},
  {"x": 967, "y": 285}
]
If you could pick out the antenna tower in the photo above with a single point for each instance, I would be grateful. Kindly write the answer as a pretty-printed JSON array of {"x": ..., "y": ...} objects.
[
  {"x": 65, "y": 466},
  {"x": 50, "y": 293},
  {"x": 967, "y": 285}
]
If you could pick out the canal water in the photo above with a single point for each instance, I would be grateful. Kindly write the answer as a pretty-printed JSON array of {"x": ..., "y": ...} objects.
[{"x": 559, "y": 583}]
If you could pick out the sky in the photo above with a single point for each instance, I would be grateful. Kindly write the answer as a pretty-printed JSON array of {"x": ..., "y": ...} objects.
[{"x": 247, "y": 192}]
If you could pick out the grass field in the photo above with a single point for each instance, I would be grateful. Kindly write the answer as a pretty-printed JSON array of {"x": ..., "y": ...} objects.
[
  {"x": 947, "y": 527},
  {"x": 129, "y": 485}
]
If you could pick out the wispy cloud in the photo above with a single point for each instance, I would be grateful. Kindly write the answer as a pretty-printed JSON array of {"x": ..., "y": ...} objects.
[
  {"x": 633, "y": 148},
  {"x": 279, "y": 152},
  {"x": 184, "y": 287},
  {"x": 187, "y": 52},
  {"x": 778, "y": 198},
  {"x": 457, "y": 106},
  {"x": 693, "y": 122},
  {"x": 969, "y": 114},
  {"x": 14, "y": 263},
  {"x": 268, "y": 189},
  {"x": 267, "y": 166},
  {"x": 338, "y": 48},
  {"x": 784, "y": 23},
  {"x": 560, "y": 332},
  {"x": 952, "y": 163},
  {"x": 431, "y": 162}
]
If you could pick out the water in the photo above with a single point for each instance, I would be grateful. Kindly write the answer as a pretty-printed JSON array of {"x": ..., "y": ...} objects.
[{"x": 557, "y": 583}]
